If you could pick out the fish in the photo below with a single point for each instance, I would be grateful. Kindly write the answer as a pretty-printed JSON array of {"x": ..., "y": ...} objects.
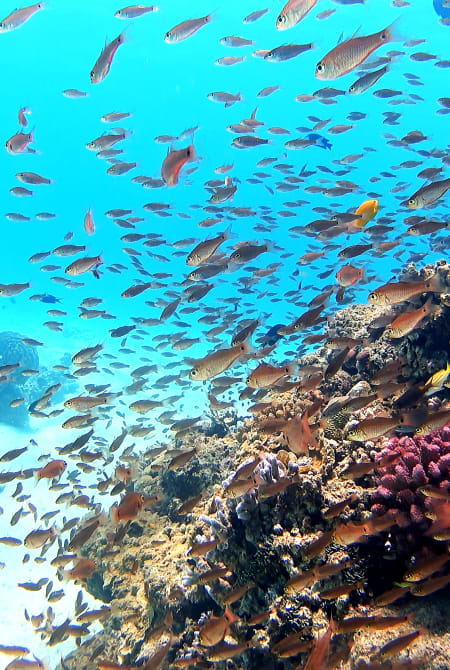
[
  {"x": 204, "y": 250},
  {"x": 82, "y": 265},
  {"x": 228, "y": 99},
  {"x": 223, "y": 193},
  {"x": 103, "y": 63},
  {"x": 407, "y": 321},
  {"x": 430, "y": 585},
  {"x": 85, "y": 403},
  {"x": 365, "y": 213},
  {"x": 9, "y": 290},
  {"x": 186, "y": 29},
  {"x": 89, "y": 225},
  {"x": 370, "y": 429},
  {"x": 286, "y": 52},
  {"x": 367, "y": 80},
  {"x": 52, "y": 470},
  {"x": 20, "y": 143},
  {"x": 434, "y": 384},
  {"x": 82, "y": 570},
  {"x": 347, "y": 55},
  {"x": 218, "y": 361},
  {"x": 293, "y": 12},
  {"x": 433, "y": 422},
  {"x": 395, "y": 292},
  {"x": 397, "y": 644},
  {"x": 134, "y": 11},
  {"x": 37, "y": 538},
  {"x": 428, "y": 194},
  {"x": 13, "y": 650},
  {"x": 215, "y": 628},
  {"x": 129, "y": 507},
  {"x": 173, "y": 163},
  {"x": 267, "y": 375},
  {"x": 348, "y": 275},
  {"x": 19, "y": 16},
  {"x": 317, "y": 657}
]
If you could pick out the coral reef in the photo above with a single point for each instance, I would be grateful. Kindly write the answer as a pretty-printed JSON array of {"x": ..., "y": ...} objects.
[
  {"x": 16, "y": 385},
  {"x": 422, "y": 460},
  {"x": 324, "y": 504}
]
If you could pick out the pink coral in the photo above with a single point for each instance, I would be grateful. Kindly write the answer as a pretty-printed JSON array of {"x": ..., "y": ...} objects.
[{"x": 423, "y": 460}]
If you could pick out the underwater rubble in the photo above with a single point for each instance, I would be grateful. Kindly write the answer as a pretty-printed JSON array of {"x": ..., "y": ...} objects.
[{"x": 307, "y": 534}]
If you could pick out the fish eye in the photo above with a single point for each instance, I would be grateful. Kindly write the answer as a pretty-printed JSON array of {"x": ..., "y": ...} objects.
[
  {"x": 242, "y": 347},
  {"x": 281, "y": 18},
  {"x": 373, "y": 296},
  {"x": 188, "y": 151},
  {"x": 383, "y": 36},
  {"x": 319, "y": 67},
  {"x": 351, "y": 89},
  {"x": 194, "y": 372},
  {"x": 168, "y": 35},
  {"x": 412, "y": 201}
]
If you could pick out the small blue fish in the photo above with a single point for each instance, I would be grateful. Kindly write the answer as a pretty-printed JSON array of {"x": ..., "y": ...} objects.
[
  {"x": 271, "y": 337},
  {"x": 319, "y": 140},
  {"x": 49, "y": 298}
]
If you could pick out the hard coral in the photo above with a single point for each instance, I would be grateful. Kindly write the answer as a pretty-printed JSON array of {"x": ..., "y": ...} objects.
[{"x": 421, "y": 461}]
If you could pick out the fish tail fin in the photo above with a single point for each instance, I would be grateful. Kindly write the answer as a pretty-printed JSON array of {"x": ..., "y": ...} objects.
[
  {"x": 193, "y": 154},
  {"x": 394, "y": 32},
  {"x": 430, "y": 307},
  {"x": 435, "y": 284},
  {"x": 124, "y": 35},
  {"x": 64, "y": 574},
  {"x": 228, "y": 233},
  {"x": 231, "y": 616},
  {"x": 294, "y": 369},
  {"x": 211, "y": 16},
  {"x": 114, "y": 513}
]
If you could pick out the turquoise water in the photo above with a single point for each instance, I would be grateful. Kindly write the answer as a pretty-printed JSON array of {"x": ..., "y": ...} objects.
[{"x": 165, "y": 87}]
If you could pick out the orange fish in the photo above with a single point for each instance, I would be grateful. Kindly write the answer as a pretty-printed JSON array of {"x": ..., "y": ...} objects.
[
  {"x": 174, "y": 162},
  {"x": 366, "y": 211},
  {"x": 89, "y": 225},
  {"x": 123, "y": 474},
  {"x": 318, "y": 657},
  {"x": 406, "y": 322},
  {"x": 349, "y": 275},
  {"x": 83, "y": 569},
  {"x": 215, "y": 628},
  {"x": 351, "y": 53},
  {"x": 266, "y": 375},
  {"x": 395, "y": 292},
  {"x": 129, "y": 507},
  {"x": 51, "y": 470}
]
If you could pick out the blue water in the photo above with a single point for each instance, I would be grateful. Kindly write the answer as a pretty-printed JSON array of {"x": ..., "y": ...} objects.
[{"x": 165, "y": 87}]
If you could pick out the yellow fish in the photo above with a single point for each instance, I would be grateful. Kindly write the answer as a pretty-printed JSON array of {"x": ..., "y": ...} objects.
[
  {"x": 367, "y": 211},
  {"x": 437, "y": 381}
]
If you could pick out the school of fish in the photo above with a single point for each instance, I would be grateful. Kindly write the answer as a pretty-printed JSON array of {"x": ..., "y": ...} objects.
[{"x": 223, "y": 295}]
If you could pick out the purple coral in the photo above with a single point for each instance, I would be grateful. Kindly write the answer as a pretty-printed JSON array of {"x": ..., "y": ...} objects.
[{"x": 421, "y": 461}]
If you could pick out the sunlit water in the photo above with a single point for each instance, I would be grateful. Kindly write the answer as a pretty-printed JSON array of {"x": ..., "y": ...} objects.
[{"x": 165, "y": 87}]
